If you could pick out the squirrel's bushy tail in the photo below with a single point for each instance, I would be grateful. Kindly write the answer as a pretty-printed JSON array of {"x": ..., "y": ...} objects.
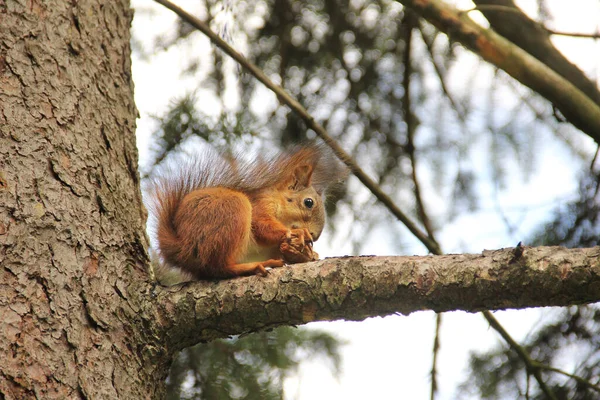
[
  {"x": 166, "y": 197},
  {"x": 167, "y": 190}
]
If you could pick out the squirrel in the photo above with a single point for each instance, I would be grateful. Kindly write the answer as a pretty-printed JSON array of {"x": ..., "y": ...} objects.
[{"x": 219, "y": 217}]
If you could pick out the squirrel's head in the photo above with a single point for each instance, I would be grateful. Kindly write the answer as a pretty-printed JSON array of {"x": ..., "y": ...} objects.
[{"x": 302, "y": 205}]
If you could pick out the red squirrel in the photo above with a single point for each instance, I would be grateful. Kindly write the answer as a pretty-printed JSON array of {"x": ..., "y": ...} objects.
[{"x": 219, "y": 217}]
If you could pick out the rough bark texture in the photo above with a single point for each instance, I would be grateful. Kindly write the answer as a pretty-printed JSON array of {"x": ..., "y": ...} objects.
[
  {"x": 72, "y": 243},
  {"x": 354, "y": 288},
  {"x": 578, "y": 109}
]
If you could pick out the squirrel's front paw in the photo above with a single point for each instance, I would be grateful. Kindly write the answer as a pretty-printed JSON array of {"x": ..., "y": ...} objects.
[
  {"x": 299, "y": 238},
  {"x": 294, "y": 252}
]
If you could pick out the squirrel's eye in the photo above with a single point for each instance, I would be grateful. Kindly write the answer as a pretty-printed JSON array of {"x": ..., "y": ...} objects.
[{"x": 309, "y": 203}]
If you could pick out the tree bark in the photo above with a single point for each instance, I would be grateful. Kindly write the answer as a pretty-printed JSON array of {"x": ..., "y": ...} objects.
[
  {"x": 355, "y": 288},
  {"x": 73, "y": 248}
]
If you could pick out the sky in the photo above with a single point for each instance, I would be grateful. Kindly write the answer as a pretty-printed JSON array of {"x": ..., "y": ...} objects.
[{"x": 390, "y": 357}]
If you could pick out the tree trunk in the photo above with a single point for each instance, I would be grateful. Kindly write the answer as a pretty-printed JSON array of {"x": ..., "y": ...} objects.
[
  {"x": 79, "y": 317},
  {"x": 73, "y": 249}
]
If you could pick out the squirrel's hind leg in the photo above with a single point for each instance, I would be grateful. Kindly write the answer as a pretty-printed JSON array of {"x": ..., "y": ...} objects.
[{"x": 253, "y": 268}]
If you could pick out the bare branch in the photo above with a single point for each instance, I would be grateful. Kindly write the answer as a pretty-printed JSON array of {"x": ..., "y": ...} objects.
[
  {"x": 533, "y": 366},
  {"x": 355, "y": 288},
  {"x": 458, "y": 109},
  {"x": 573, "y": 34},
  {"x": 534, "y": 38},
  {"x": 578, "y": 108}
]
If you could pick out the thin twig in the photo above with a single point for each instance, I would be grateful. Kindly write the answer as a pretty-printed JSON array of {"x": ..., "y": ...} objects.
[
  {"x": 501, "y": 8},
  {"x": 410, "y": 20},
  {"x": 440, "y": 74},
  {"x": 556, "y": 129},
  {"x": 579, "y": 379},
  {"x": 532, "y": 366},
  {"x": 285, "y": 98},
  {"x": 595, "y": 158},
  {"x": 436, "y": 351},
  {"x": 573, "y": 34}
]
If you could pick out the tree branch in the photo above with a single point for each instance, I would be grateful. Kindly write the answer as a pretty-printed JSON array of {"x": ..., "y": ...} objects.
[
  {"x": 578, "y": 108},
  {"x": 355, "y": 288},
  {"x": 534, "y": 366},
  {"x": 508, "y": 6},
  {"x": 511, "y": 22}
]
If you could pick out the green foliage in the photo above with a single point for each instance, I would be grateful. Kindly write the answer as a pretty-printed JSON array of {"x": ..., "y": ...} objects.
[
  {"x": 184, "y": 121},
  {"x": 251, "y": 367},
  {"x": 572, "y": 333},
  {"x": 577, "y": 223}
]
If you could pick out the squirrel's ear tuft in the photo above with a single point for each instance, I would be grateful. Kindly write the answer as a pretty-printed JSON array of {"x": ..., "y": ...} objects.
[{"x": 301, "y": 177}]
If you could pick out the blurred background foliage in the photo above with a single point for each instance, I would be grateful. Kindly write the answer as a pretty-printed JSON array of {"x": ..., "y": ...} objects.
[
  {"x": 250, "y": 367},
  {"x": 439, "y": 130}
]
